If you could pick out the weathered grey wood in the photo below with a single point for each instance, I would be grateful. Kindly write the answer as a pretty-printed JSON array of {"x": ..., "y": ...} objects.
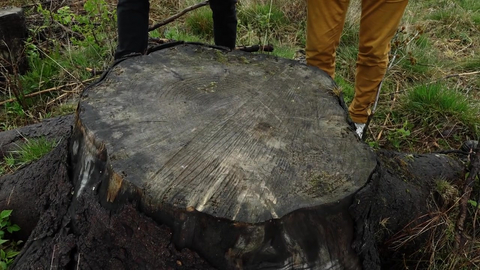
[
  {"x": 13, "y": 34},
  {"x": 249, "y": 158}
]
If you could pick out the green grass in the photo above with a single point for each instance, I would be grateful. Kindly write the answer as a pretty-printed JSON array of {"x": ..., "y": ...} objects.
[
  {"x": 199, "y": 23},
  {"x": 471, "y": 64},
  {"x": 435, "y": 101},
  {"x": 284, "y": 50},
  {"x": 33, "y": 149},
  {"x": 264, "y": 23},
  {"x": 262, "y": 17},
  {"x": 347, "y": 88},
  {"x": 177, "y": 33}
]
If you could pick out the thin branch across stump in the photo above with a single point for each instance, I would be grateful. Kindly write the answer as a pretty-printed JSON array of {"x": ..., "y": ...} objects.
[{"x": 249, "y": 158}]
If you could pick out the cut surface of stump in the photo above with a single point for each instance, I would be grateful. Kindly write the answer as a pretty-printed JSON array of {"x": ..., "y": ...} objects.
[{"x": 245, "y": 155}]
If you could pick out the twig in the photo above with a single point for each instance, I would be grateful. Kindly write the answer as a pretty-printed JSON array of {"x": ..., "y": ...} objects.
[
  {"x": 53, "y": 256},
  {"x": 462, "y": 74},
  {"x": 47, "y": 90},
  {"x": 176, "y": 16},
  {"x": 467, "y": 190},
  {"x": 77, "y": 35},
  {"x": 66, "y": 93},
  {"x": 374, "y": 109},
  {"x": 57, "y": 99},
  {"x": 160, "y": 40},
  {"x": 10, "y": 196},
  {"x": 78, "y": 261}
]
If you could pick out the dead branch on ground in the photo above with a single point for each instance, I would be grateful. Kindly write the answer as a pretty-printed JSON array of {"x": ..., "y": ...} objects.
[
  {"x": 53, "y": 89},
  {"x": 176, "y": 16}
]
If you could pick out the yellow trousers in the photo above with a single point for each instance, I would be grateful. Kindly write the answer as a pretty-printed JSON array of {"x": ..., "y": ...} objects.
[{"x": 378, "y": 24}]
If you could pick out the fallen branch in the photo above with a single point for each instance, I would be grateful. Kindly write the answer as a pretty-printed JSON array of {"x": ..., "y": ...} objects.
[
  {"x": 256, "y": 48},
  {"x": 176, "y": 16},
  {"x": 47, "y": 91},
  {"x": 467, "y": 190}
]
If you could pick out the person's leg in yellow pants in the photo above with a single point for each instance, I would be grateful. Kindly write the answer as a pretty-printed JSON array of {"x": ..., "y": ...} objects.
[
  {"x": 325, "y": 20},
  {"x": 379, "y": 22}
]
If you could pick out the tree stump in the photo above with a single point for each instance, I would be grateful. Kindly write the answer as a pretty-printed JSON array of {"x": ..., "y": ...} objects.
[
  {"x": 13, "y": 34},
  {"x": 193, "y": 158},
  {"x": 249, "y": 159}
]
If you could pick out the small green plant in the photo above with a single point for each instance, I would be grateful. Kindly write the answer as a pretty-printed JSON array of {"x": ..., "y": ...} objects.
[
  {"x": 9, "y": 249},
  {"x": 399, "y": 136},
  {"x": 473, "y": 203}
]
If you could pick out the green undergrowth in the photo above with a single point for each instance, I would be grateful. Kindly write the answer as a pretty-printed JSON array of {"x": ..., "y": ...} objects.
[
  {"x": 9, "y": 248},
  {"x": 64, "y": 47}
]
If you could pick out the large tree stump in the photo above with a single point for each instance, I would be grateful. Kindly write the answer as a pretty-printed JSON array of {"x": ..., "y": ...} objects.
[
  {"x": 193, "y": 158},
  {"x": 13, "y": 34},
  {"x": 250, "y": 159}
]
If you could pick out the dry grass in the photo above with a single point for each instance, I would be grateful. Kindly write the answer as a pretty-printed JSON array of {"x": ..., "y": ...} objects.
[{"x": 433, "y": 236}]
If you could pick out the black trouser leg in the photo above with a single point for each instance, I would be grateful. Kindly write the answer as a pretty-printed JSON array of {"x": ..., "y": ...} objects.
[
  {"x": 224, "y": 22},
  {"x": 132, "y": 25}
]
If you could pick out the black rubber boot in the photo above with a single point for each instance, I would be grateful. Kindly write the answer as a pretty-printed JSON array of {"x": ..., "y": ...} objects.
[
  {"x": 224, "y": 22},
  {"x": 132, "y": 25}
]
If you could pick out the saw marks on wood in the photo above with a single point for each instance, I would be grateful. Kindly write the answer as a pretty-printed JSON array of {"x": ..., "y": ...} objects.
[{"x": 235, "y": 135}]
